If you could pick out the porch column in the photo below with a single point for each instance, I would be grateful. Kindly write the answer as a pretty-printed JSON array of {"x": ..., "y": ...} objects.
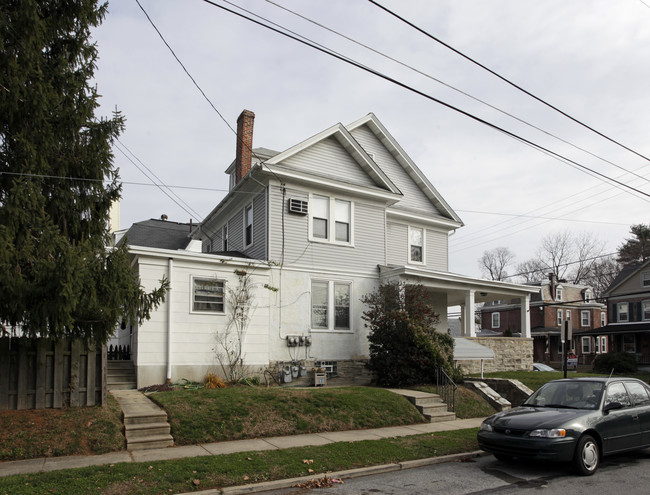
[
  {"x": 469, "y": 322},
  {"x": 525, "y": 316}
]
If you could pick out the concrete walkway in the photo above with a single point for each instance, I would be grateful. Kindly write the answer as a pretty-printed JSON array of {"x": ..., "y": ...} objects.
[{"x": 272, "y": 443}]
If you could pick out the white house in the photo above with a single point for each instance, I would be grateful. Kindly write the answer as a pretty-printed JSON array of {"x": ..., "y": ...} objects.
[{"x": 316, "y": 227}]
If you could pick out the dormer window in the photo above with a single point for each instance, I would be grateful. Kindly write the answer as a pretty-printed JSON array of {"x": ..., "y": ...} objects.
[
  {"x": 558, "y": 293},
  {"x": 588, "y": 296}
]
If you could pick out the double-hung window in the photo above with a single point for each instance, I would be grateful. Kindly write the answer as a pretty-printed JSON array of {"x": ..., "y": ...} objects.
[
  {"x": 645, "y": 279},
  {"x": 558, "y": 293},
  {"x": 603, "y": 318},
  {"x": 416, "y": 245},
  {"x": 207, "y": 295},
  {"x": 330, "y": 305},
  {"x": 646, "y": 310},
  {"x": 496, "y": 320},
  {"x": 331, "y": 219},
  {"x": 248, "y": 225},
  {"x": 623, "y": 314},
  {"x": 586, "y": 345},
  {"x": 559, "y": 317},
  {"x": 585, "y": 318}
]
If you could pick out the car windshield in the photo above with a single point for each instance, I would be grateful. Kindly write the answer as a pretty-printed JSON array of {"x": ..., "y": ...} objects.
[{"x": 569, "y": 394}]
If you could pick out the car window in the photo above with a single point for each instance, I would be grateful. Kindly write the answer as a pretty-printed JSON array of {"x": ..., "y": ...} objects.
[
  {"x": 570, "y": 394},
  {"x": 638, "y": 393},
  {"x": 616, "y": 393}
]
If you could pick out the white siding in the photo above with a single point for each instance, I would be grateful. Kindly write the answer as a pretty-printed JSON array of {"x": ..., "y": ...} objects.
[{"x": 436, "y": 251}]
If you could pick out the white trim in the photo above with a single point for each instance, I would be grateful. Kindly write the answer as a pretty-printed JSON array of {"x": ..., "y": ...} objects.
[
  {"x": 193, "y": 279},
  {"x": 331, "y": 221},
  {"x": 412, "y": 228},
  {"x": 331, "y": 305},
  {"x": 496, "y": 314}
]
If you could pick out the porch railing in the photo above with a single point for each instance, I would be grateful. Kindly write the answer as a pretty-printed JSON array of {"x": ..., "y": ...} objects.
[{"x": 446, "y": 389}]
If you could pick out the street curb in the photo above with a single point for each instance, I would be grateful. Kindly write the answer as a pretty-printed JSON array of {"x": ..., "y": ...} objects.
[{"x": 349, "y": 474}]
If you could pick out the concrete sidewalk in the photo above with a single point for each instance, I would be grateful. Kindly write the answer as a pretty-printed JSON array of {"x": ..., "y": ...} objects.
[{"x": 272, "y": 443}]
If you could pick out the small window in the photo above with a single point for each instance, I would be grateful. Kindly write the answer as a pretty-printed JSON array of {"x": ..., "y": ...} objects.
[
  {"x": 416, "y": 245},
  {"x": 603, "y": 344},
  {"x": 586, "y": 345},
  {"x": 645, "y": 279},
  {"x": 559, "y": 317},
  {"x": 585, "y": 318},
  {"x": 588, "y": 296},
  {"x": 603, "y": 319},
  {"x": 224, "y": 237},
  {"x": 616, "y": 393},
  {"x": 629, "y": 343},
  {"x": 568, "y": 315},
  {"x": 558, "y": 293},
  {"x": 646, "y": 310},
  {"x": 496, "y": 320},
  {"x": 248, "y": 218},
  {"x": 342, "y": 217},
  {"x": 623, "y": 312},
  {"x": 208, "y": 295}
]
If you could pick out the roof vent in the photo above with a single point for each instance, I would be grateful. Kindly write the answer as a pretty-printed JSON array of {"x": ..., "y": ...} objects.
[{"x": 298, "y": 206}]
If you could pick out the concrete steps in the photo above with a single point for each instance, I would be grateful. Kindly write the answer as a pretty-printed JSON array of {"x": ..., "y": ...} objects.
[
  {"x": 120, "y": 375},
  {"x": 429, "y": 405},
  {"x": 145, "y": 424}
]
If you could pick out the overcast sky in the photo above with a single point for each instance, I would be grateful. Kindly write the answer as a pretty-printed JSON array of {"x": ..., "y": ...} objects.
[{"x": 591, "y": 59}]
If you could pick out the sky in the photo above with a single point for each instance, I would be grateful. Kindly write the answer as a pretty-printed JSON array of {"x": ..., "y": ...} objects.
[{"x": 589, "y": 59}]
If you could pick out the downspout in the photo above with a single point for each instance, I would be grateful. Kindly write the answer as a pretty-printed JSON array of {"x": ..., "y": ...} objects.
[{"x": 169, "y": 320}]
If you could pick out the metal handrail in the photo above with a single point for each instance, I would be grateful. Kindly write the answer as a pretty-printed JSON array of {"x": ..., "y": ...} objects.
[{"x": 446, "y": 389}]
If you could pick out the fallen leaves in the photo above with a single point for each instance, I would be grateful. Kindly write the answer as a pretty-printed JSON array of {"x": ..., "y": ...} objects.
[{"x": 323, "y": 482}]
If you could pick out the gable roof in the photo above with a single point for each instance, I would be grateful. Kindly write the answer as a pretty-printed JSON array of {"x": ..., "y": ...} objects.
[
  {"x": 627, "y": 272},
  {"x": 161, "y": 234},
  {"x": 391, "y": 144}
]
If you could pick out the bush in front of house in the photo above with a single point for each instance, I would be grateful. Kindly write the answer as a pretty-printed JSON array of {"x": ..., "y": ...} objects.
[
  {"x": 620, "y": 362},
  {"x": 405, "y": 348}
]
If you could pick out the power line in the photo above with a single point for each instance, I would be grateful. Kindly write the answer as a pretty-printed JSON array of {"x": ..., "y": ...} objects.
[
  {"x": 354, "y": 63},
  {"x": 439, "y": 81},
  {"x": 507, "y": 81}
]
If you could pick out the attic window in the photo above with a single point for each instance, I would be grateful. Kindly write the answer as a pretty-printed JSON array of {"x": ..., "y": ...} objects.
[{"x": 558, "y": 293}]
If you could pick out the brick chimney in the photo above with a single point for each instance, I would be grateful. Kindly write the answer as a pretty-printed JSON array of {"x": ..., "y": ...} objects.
[{"x": 244, "y": 158}]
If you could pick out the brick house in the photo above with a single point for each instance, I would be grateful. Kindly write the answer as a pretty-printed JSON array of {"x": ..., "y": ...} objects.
[{"x": 557, "y": 302}]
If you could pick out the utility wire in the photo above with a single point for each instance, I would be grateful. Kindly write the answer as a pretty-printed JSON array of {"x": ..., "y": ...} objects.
[
  {"x": 507, "y": 81},
  {"x": 354, "y": 63},
  {"x": 453, "y": 88}
]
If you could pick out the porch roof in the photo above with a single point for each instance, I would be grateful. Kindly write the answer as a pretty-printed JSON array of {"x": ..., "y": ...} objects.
[
  {"x": 641, "y": 327},
  {"x": 457, "y": 286}
]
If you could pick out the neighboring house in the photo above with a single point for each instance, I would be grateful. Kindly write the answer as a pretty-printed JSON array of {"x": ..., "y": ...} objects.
[
  {"x": 317, "y": 227},
  {"x": 557, "y": 302},
  {"x": 628, "y": 303}
]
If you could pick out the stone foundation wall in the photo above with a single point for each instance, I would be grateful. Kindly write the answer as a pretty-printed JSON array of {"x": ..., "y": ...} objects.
[{"x": 510, "y": 354}]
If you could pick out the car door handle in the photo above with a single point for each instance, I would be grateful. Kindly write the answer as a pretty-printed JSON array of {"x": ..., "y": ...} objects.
[{"x": 635, "y": 417}]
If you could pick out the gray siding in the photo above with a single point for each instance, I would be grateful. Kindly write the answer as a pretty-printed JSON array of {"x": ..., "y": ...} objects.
[
  {"x": 328, "y": 158},
  {"x": 258, "y": 249},
  {"x": 364, "y": 256},
  {"x": 435, "y": 252},
  {"x": 413, "y": 198}
]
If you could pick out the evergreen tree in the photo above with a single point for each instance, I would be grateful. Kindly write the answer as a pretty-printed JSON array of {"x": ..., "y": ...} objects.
[
  {"x": 57, "y": 180},
  {"x": 636, "y": 249}
]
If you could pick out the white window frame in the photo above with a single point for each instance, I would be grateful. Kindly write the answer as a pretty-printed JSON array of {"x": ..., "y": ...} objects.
[
  {"x": 193, "y": 301},
  {"x": 588, "y": 296},
  {"x": 247, "y": 208},
  {"x": 603, "y": 344},
  {"x": 585, "y": 318},
  {"x": 224, "y": 237},
  {"x": 496, "y": 319},
  {"x": 568, "y": 315},
  {"x": 645, "y": 279},
  {"x": 559, "y": 293},
  {"x": 626, "y": 312},
  {"x": 331, "y": 306},
  {"x": 603, "y": 319},
  {"x": 585, "y": 345},
  {"x": 424, "y": 239},
  {"x": 558, "y": 317},
  {"x": 645, "y": 310},
  {"x": 332, "y": 220}
]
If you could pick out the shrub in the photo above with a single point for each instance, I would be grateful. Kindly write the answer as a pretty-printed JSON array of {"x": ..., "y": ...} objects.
[
  {"x": 405, "y": 348},
  {"x": 620, "y": 362},
  {"x": 214, "y": 381}
]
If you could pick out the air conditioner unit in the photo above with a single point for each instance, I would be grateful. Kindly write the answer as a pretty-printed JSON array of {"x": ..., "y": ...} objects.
[{"x": 298, "y": 206}]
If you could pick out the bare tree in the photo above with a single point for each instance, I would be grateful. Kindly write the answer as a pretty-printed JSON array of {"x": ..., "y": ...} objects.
[
  {"x": 568, "y": 256},
  {"x": 601, "y": 274},
  {"x": 494, "y": 263}
]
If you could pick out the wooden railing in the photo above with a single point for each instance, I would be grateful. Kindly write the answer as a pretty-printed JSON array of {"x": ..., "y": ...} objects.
[{"x": 446, "y": 389}]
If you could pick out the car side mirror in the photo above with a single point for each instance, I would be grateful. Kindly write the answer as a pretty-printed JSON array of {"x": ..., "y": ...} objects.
[{"x": 612, "y": 406}]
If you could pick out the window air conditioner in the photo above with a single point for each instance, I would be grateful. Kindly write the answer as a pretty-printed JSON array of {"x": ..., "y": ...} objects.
[{"x": 298, "y": 206}]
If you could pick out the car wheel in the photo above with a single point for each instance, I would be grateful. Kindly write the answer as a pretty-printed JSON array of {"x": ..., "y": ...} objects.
[
  {"x": 503, "y": 457},
  {"x": 587, "y": 456}
]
